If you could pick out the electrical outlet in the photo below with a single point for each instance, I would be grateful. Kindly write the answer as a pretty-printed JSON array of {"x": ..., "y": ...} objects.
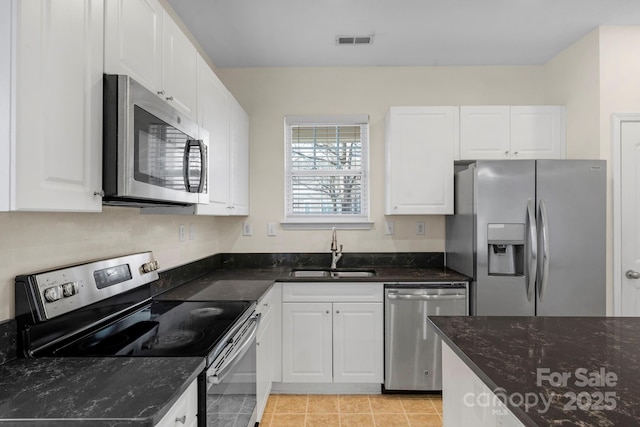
[
  {"x": 420, "y": 228},
  {"x": 247, "y": 230},
  {"x": 388, "y": 227},
  {"x": 182, "y": 233},
  {"x": 271, "y": 229}
]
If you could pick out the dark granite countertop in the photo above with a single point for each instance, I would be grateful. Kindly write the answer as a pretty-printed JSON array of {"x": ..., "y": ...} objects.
[
  {"x": 249, "y": 284},
  {"x": 96, "y": 391},
  {"x": 598, "y": 357}
]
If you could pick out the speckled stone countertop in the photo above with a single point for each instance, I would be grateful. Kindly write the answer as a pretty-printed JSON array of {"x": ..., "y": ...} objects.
[
  {"x": 249, "y": 276},
  {"x": 249, "y": 284},
  {"x": 93, "y": 392},
  {"x": 588, "y": 362}
]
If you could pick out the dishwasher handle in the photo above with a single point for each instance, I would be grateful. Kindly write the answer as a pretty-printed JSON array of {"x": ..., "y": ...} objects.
[{"x": 426, "y": 297}]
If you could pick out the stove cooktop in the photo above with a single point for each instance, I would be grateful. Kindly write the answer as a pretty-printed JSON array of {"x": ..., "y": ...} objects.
[{"x": 162, "y": 328}]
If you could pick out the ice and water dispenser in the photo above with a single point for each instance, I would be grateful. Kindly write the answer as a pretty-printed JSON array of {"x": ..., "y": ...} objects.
[{"x": 506, "y": 249}]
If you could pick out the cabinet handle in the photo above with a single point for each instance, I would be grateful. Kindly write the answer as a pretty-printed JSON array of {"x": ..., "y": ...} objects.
[
  {"x": 506, "y": 152},
  {"x": 337, "y": 311},
  {"x": 99, "y": 193},
  {"x": 169, "y": 98},
  {"x": 182, "y": 419},
  {"x": 515, "y": 153},
  {"x": 266, "y": 304},
  {"x": 327, "y": 311},
  {"x": 160, "y": 92}
]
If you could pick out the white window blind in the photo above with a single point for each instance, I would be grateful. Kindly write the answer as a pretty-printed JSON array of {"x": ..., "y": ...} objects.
[{"x": 327, "y": 169}]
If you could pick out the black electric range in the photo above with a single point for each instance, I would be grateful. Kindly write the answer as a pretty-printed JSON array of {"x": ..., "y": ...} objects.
[{"x": 104, "y": 309}]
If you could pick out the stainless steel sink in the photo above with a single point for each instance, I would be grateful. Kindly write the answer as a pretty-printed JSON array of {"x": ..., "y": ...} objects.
[
  {"x": 311, "y": 273},
  {"x": 335, "y": 274}
]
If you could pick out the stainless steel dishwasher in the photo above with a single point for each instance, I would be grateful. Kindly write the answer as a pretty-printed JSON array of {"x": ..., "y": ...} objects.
[{"x": 412, "y": 349}]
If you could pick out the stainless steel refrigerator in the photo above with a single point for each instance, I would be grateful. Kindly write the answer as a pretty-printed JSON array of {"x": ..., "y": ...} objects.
[{"x": 531, "y": 233}]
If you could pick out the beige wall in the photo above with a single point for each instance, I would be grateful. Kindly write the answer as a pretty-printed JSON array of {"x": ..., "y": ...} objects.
[
  {"x": 31, "y": 242},
  {"x": 268, "y": 94}
]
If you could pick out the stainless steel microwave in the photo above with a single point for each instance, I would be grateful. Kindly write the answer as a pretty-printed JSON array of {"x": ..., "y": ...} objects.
[{"x": 153, "y": 155}]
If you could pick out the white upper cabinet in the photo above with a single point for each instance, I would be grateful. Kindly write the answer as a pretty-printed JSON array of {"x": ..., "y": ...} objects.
[
  {"x": 419, "y": 150},
  {"x": 133, "y": 40},
  {"x": 239, "y": 155},
  {"x": 179, "y": 68},
  {"x": 213, "y": 115},
  {"x": 538, "y": 132},
  {"x": 228, "y": 126},
  {"x": 142, "y": 41},
  {"x": 484, "y": 132},
  {"x": 512, "y": 132},
  {"x": 55, "y": 141}
]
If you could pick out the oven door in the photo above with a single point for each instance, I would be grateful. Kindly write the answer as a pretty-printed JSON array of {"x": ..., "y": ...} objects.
[{"x": 230, "y": 381}]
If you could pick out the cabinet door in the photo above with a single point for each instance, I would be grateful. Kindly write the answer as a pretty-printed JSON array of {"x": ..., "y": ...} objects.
[
  {"x": 538, "y": 132},
  {"x": 239, "y": 152},
  {"x": 58, "y": 92},
  {"x": 419, "y": 143},
  {"x": 179, "y": 58},
  {"x": 485, "y": 132},
  {"x": 358, "y": 346},
  {"x": 214, "y": 109},
  {"x": 133, "y": 40},
  {"x": 306, "y": 342}
]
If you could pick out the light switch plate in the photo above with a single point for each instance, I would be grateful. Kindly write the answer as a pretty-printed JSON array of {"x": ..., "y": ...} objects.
[
  {"x": 271, "y": 229},
  {"x": 420, "y": 228},
  {"x": 388, "y": 227},
  {"x": 247, "y": 230}
]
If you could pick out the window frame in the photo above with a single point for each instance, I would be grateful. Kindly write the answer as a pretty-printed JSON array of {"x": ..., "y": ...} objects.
[{"x": 343, "y": 221}]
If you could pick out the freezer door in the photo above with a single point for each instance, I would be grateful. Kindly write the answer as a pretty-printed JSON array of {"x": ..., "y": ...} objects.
[
  {"x": 504, "y": 189},
  {"x": 571, "y": 206}
]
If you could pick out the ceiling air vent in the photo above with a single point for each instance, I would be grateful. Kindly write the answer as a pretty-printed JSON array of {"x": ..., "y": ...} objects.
[{"x": 354, "y": 40}]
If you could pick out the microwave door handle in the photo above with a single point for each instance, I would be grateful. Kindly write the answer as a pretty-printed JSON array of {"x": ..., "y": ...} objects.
[
  {"x": 187, "y": 162},
  {"x": 203, "y": 166}
]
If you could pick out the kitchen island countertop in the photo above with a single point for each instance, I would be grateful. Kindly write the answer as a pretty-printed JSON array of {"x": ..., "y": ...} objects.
[
  {"x": 95, "y": 391},
  {"x": 588, "y": 368}
]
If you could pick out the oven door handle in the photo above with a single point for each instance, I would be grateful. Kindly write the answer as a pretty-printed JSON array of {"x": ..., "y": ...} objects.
[{"x": 240, "y": 349}]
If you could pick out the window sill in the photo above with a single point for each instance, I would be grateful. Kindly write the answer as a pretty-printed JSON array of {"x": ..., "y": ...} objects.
[{"x": 326, "y": 225}]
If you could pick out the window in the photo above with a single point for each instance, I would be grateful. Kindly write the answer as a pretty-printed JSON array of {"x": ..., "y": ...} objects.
[{"x": 327, "y": 180}]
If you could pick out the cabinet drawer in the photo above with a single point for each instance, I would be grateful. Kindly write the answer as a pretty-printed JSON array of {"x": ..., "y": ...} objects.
[
  {"x": 184, "y": 411},
  {"x": 332, "y": 292}
]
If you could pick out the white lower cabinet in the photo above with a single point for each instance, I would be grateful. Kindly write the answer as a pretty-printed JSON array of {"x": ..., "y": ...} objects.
[
  {"x": 466, "y": 400},
  {"x": 268, "y": 345},
  {"x": 332, "y": 338},
  {"x": 185, "y": 411}
]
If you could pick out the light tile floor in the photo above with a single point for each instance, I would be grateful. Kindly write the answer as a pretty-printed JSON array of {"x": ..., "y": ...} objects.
[{"x": 387, "y": 410}]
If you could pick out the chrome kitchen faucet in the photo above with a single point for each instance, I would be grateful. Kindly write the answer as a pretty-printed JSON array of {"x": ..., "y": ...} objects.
[{"x": 335, "y": 254}]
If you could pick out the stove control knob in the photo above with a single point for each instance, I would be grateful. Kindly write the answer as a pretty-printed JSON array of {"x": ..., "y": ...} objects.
[
  {"x": 69, "y": 289},
  {"x": 150, "y": 266},
  {"x": 53, "y": 294}
]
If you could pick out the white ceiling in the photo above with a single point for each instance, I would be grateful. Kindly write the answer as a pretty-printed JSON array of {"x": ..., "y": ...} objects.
[{"x": 285, "y": 33}]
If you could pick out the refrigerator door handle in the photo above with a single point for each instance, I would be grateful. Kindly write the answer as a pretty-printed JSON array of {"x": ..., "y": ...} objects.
[
  {"x": 544, "y": 260},
  {"x": 532, "y": 259}
]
